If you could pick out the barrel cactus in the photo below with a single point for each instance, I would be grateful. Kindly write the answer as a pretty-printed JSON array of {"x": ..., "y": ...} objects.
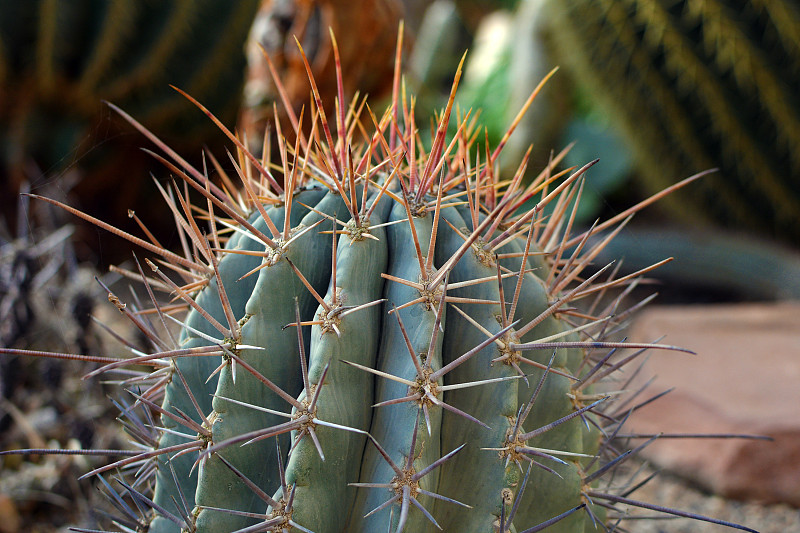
[
  {"x": 373, "y": 336},
  {"x": 718, "y": 82}
]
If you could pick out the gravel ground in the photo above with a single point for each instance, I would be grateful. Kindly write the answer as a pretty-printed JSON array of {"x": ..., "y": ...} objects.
[{"x": 671, "y": 491}]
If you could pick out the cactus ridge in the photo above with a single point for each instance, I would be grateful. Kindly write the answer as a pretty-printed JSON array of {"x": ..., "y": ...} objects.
[{"x": 380, "y": 339}]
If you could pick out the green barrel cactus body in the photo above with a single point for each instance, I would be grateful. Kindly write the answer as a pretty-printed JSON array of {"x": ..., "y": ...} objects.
[
  {"x": 409, "y": 360},
  {"x": 378, "y": 336},
  {"x": 477, "y": 476}
]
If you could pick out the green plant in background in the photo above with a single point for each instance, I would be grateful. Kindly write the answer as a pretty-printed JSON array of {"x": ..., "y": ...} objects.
[
  {"x": 373, "y": 337},
  {"x": 696, "y": 84},
  {"x": 506, "y": 62},
  {"x": 509, "y": 55}
]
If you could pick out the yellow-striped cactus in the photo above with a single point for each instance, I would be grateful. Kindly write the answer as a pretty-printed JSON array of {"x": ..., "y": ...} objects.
[
  {"x": 60, "y": 59},
  {"x": 696, "y": 84}
]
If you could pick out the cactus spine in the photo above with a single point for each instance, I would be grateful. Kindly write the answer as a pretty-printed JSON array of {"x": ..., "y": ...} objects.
[{"x": 444, "y": 380}]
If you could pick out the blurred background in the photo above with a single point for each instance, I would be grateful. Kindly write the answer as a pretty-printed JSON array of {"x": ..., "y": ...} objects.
[{"x": 657, "y": 89}]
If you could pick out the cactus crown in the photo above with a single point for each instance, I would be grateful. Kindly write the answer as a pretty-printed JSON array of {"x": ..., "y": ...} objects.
[{"x": 376, "y": 335}]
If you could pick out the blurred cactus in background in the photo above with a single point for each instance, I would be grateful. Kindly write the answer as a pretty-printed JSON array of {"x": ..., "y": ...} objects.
[
  {"x": 685, "y": 85},
  {"x": 696, "y": 84},
  {"x": 60, "y": 59}
]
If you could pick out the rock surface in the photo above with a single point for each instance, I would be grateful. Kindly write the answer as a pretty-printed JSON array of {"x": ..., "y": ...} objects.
[{"x": 745, "y": 379}]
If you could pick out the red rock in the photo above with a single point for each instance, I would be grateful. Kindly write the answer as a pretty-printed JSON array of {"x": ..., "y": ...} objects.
[
  {"x": 9, "y": 515},
  {"x": 745, "y": 379}
]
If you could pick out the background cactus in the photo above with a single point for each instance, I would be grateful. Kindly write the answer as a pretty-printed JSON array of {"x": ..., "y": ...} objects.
[
  {"x": 377, "y": 337},
  {"x": 59, "y": 60},
  {"x": 717, "y": 81}
]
